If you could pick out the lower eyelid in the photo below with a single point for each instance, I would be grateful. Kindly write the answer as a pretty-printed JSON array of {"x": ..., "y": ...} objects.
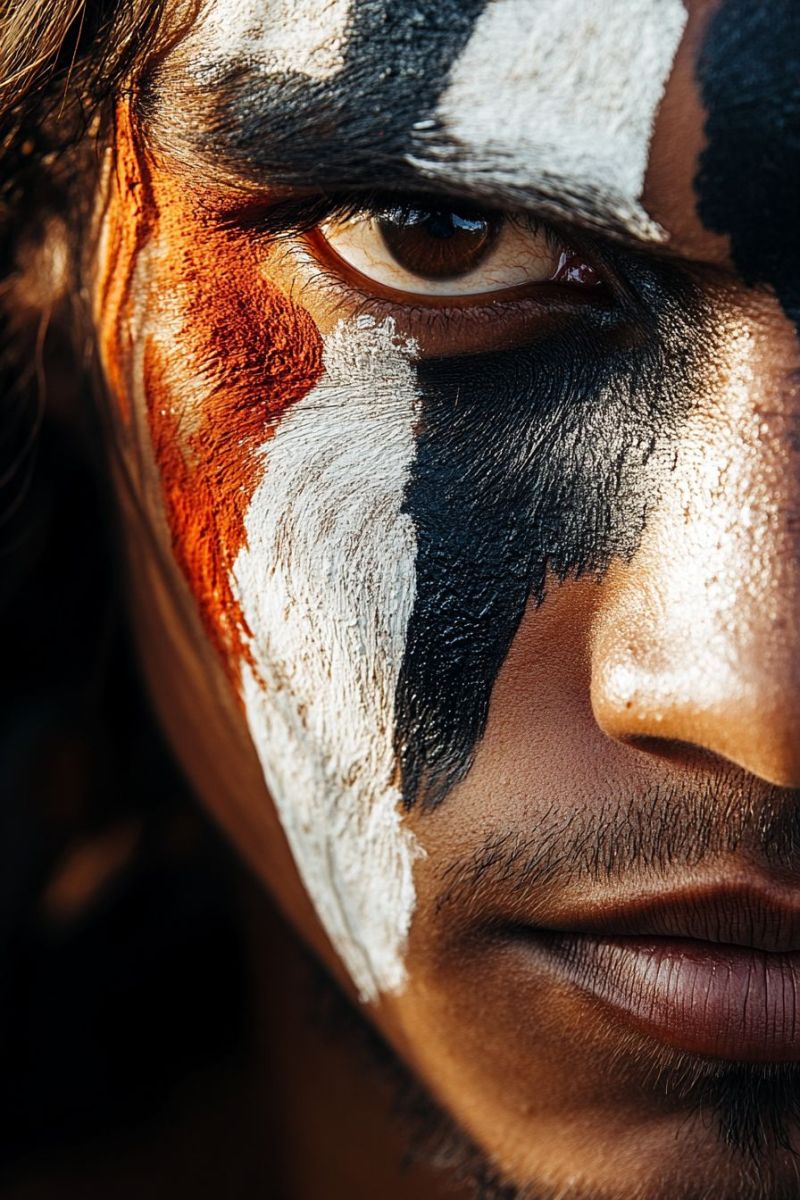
[{"x": 438, "y": 329}]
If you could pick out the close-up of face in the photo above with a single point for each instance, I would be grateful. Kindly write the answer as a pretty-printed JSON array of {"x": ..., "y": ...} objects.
[{"x": 451, "y": 376}]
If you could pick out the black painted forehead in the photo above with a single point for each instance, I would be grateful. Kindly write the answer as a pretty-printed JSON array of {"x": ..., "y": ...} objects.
[
  {"x": 517, "y": 101},
  {"x": 748, "y": 184}
]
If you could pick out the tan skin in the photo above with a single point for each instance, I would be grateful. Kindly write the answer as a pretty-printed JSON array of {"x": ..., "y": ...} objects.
[{"x": 678, "y": 669}]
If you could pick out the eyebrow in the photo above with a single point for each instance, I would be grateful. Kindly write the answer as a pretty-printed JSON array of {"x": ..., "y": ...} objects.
[{"x": 290, "y": 132}]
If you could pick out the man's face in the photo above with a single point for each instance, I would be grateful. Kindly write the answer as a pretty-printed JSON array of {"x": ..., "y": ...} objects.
[{"x": 453, "y": 356}]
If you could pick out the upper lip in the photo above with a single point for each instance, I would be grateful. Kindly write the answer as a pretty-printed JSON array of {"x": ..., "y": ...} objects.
[{"x": 733, "y": 916}]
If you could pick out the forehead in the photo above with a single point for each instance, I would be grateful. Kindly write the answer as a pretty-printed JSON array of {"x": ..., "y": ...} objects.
[
  {"x": 546, "y": 102},
  {"x": 600, "y": 115}
]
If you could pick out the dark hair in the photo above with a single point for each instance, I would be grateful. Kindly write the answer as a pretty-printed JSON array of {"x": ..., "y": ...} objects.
[
  {"x": 61, "y": 64},
  {"x": 80, "y": 758}
]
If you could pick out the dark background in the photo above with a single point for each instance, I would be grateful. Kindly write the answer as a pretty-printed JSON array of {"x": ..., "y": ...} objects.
[{"x": 124, "y": 1043}]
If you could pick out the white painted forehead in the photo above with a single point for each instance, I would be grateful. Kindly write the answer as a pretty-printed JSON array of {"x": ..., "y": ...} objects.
[
  {"x": 306, "y": 37},
  {"x": 553, "y": 91}
]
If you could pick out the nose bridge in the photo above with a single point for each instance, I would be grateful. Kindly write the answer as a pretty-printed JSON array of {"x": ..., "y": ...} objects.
[{"x": 696, "y": 641}]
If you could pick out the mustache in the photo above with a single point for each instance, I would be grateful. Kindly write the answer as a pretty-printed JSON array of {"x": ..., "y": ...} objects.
[
  {"x": 660, "y": 832},
  {"x": 655, "y": 833}
]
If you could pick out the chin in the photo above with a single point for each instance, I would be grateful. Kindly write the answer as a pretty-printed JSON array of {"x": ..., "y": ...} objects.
[{"x": 617, "y": 1157}]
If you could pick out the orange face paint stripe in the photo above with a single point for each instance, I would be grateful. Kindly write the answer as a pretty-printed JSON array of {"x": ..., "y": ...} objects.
[
  {"x": 232, "y": 339},
  {"x": 125, "y": 231}
]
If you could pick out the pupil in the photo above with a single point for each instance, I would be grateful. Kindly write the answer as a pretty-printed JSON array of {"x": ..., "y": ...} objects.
[{"x": 437, "y": 243}]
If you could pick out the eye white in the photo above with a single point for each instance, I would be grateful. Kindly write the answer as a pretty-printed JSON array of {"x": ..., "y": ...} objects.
[{"x": 518, "y": 256}]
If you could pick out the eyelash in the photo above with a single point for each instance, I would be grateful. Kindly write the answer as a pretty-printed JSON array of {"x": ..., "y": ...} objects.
[
  {"x": 298, "y": 220},
  {"x": 302, "y": 215},
  {"x": 448, "y": 326}
]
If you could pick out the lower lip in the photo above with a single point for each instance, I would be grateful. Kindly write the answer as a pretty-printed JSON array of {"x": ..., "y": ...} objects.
[{"x": 721, "y": 1001}]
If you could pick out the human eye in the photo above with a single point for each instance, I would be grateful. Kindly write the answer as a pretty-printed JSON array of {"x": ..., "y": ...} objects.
[
  {"x": 438, "y": 250},
  {"x": 455, "y": 277}
]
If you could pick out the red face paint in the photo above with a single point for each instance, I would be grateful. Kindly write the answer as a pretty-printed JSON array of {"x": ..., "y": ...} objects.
[{"x": 240, "y": 344}]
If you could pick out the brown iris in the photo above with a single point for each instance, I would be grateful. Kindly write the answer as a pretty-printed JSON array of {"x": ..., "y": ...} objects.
[{"x": 437, "y": 243}]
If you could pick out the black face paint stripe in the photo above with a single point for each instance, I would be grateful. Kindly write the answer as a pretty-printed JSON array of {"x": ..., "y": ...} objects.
[
  {"x": 542, "y": 459},
  {"x": 748, "y": 182},
  {"x": 353, "y": 128}
]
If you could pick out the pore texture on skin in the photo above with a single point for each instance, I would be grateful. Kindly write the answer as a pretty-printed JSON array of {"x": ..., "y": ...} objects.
[{"x": 363, "y": 528}]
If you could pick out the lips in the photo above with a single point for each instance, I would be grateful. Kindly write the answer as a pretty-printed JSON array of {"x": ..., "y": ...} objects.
[{"x": 715, "y": 973}]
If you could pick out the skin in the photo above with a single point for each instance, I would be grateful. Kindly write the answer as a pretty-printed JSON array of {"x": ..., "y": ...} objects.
[{"x": 668, "y": 667}]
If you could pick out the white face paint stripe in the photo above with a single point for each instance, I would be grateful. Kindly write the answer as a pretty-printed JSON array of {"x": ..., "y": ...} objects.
[
  {"x": 303, "y": 36},
  {"x": 327, "y": 584},
  {"x": 559, "y": 94}
]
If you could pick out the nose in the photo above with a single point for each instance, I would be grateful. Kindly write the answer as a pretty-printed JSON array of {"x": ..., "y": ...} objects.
[{"x": 696, "y": 641}]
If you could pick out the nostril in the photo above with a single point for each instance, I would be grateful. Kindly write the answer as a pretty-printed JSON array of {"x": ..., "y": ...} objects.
[{"x": 676, "y": 750}]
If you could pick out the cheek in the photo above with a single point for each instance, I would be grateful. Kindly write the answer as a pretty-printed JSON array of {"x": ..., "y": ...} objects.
[
  {"x": 326, "y": 581},
  {"x": 282, "y": 463},
  {"x": 251, "y": 357},
  {"x": 206, "y": 357},
  {"x": 217, "y": 383}
]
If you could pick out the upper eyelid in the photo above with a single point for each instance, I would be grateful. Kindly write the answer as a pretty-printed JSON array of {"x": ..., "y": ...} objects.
[
  {"x": 302, "y": 212},
  {"x": 295, "y": 215},
  {"x": 528, "y": 221},
  {"x": 292, "y": 215}
]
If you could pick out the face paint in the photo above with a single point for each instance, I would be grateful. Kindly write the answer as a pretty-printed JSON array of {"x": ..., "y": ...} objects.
[
  {"x": 545, "y": 458},
  {"x": 425, "y": 96},
  {"x": 286, "y": 123},
  {"x": 362, "y": 531},
  {"x": 203, "y": 318},
  {"x": 304, "y": 37},
  {"x": 282, "y": 482},
  {"x": 550, "y": 90},
  {"x": 749, "y": 73},
  {"x": 326, "y": 584}
]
